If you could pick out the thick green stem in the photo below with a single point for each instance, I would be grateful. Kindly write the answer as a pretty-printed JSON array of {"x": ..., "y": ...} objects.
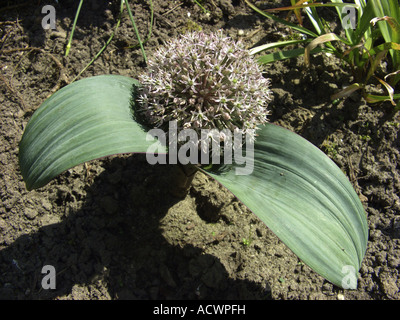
[{"x": 181, "y": 179}]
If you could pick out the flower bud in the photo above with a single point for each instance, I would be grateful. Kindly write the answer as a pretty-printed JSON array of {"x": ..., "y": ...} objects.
[{"x": 226, "y": 116}]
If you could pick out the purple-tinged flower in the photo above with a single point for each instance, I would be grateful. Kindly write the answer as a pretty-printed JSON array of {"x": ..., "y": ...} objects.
[{"x": 204, "y": 81}]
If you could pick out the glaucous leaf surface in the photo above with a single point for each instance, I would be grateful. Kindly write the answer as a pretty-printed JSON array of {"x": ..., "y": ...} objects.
[
  {"x": 86, "y": 120},
  {"x": 295, "y": 189},
  {"x": 306, "y": 200}
]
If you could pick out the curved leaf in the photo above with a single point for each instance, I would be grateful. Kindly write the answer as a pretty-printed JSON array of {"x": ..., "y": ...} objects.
[
  {"x": 307, "y": 201},
  {"x": 86, "y": 120},
  {"x": 295, "y": 189}
]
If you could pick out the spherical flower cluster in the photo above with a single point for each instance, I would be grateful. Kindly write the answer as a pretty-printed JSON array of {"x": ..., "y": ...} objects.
[{"x": 204, "y": 81}]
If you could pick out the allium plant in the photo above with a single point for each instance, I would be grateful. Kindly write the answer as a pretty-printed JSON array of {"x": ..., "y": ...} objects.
[
  {"x": 204, "y": 81},
  {"x": 208, "y": 82}
]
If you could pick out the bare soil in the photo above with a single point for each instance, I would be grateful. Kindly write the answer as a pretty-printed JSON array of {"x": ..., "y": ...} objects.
[{"x": 110, "y": 227}]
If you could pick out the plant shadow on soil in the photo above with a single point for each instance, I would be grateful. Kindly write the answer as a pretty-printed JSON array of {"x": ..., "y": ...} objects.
[
  {"x": 115, "y": 243},
  {"x": 113, "y": 232}
]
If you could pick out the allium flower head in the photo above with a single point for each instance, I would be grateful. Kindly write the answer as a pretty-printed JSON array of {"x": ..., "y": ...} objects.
[{"x": 204, "y": 81}]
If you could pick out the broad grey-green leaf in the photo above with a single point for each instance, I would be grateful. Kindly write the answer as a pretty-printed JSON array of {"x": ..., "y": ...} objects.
[
  {"x": 86, "y": 120},
  {"x": 295, "y": 189},
  {"x": 307, "y": 201}
]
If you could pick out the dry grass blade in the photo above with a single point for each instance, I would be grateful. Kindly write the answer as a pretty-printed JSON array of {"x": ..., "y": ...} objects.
[
  {"x": 347, "y": 92},
  {"x": 317, "y": 41},
  {"x": 389, "y": 89}
]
